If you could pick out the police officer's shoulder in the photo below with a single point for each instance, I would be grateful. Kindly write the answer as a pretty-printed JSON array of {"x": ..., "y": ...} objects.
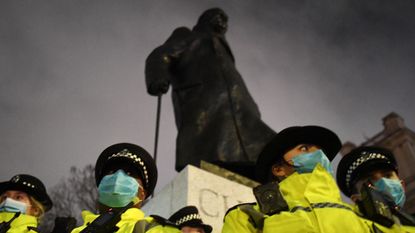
[
  {"x": 240, "y": 205},
  {"x": 255, "y": 217},
  {"x": 162, "y": 221},
  {"x": 145, "y": 225}
]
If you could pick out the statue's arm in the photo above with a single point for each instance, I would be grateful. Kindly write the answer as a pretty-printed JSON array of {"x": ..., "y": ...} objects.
[
  {"x": 161, "y": 60},
  {"x": 157, "y": 71}
]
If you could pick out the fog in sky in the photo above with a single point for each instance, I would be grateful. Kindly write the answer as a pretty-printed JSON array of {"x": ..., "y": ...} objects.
[{"x": 72, "y": 72}]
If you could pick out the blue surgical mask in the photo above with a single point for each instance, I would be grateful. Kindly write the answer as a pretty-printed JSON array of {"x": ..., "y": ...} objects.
[
  {"x": 305, "y": 163},
  {"x": 10, "y": 205},
  {"x": 394, "y": 188},
  {"x": 117, "y": 189}
]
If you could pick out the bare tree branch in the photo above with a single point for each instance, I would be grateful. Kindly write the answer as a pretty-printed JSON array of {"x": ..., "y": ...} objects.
[{"x": 72, "y": 195}]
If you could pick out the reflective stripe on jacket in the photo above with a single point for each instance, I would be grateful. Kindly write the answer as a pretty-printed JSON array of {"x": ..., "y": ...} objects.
[{"x": 22, "y": 224}]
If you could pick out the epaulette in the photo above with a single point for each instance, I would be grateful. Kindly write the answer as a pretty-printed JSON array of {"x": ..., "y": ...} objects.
[
  {"x": 32, "y": 229},
  {"x": 163, "y": 221},
  {"x": 256, "y": 218},
  {"x": 236, "y": 206}
]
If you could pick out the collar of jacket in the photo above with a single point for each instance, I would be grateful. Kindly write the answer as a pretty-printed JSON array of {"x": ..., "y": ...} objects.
[
  {"x": 305, "y": 189},
  {"x": 132, "y": 214},
  {"x": 22, "y": 220}
]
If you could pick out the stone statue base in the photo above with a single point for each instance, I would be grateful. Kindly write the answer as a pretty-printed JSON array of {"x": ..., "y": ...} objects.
[{"x": 212, "y": 194}]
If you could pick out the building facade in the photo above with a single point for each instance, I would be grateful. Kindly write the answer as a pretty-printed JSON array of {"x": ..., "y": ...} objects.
[{"x": 401, "y": 141}]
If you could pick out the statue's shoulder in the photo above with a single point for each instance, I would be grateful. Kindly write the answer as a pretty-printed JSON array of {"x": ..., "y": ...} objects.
[
  {"x": 179, "y": 34},
  {"x": 181, "y": 31}
]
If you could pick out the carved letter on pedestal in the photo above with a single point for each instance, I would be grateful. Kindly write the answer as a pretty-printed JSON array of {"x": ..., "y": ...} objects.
[{"x": 209, "y": 195}]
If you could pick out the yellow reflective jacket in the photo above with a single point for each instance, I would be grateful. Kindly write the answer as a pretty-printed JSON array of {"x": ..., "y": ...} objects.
[
  {"x": 314, "y": 204},
  {"x": 408, "y": 229},
  {"x": 132, "y": 220},
  {"x": 22, "y": 224}
]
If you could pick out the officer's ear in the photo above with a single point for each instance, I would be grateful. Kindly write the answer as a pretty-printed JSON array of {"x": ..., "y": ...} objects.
[
  {"x": 403, "y": 185},
  {"x": 37, "y": 212},
  {"x": 36, "y": 208},
  {"x": 355, "y": 197},
  {"x": 142, "y": 194},
  {"x": 279, "y": 171}
]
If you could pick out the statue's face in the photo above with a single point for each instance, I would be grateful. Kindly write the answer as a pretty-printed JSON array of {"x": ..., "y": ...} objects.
[
  {"x": 214, "y": 20},
  {"x": 219, "y": 22}
]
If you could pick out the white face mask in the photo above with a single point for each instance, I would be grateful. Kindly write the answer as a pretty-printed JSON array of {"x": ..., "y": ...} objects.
[{"x": 10, "y": 205}]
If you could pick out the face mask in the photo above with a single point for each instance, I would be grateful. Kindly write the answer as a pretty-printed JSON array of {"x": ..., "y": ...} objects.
[
  {"x": 394, "y": 188},
  {"x": 10, "y": 205},
  {"x": 305, "y": 163},
  {"x": 117, "y": 190}
]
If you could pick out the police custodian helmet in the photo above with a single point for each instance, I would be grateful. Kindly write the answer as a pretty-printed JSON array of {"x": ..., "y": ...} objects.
[
  {"x": 189, "y": 216},
  {"x": 30, "y": 185},
  {"x": 127, "y": 154},
  {"x": 360, "y": 161},
  {"x": 291, "y": 137}
]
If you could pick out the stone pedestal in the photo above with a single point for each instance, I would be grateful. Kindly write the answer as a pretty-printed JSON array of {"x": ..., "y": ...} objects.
[{"x": 213, "y": 195}]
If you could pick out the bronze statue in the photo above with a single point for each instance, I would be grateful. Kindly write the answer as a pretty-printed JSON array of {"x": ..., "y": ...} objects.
[{"x": 216, "y": 117}]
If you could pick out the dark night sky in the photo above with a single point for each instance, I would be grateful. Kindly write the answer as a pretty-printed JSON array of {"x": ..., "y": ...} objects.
[{"x": 72, "y": 72}]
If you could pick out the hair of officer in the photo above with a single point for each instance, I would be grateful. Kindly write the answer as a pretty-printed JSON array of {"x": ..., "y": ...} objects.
[{"x": 39, "y": 209}]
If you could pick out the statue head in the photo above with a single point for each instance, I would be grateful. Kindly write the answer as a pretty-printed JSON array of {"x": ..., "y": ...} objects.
[{"x": 213, "y": 21}]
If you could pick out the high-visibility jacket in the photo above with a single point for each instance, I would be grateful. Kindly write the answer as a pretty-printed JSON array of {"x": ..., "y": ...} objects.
[
  {"x": 408, "y": 229},
  {"x": 314, "y": 205},
  {"x": 132, "y": 221},
  {"x": 22, "y": 224}
]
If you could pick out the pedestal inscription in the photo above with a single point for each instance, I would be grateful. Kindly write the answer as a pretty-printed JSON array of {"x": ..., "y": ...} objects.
[{"x": 212, "y": 194}]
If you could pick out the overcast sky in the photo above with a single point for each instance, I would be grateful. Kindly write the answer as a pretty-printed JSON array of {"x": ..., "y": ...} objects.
[{"x": 72, "y": 72}]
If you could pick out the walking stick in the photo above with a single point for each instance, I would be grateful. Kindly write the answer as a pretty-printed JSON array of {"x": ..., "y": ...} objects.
[
  {"x": 157, "y": 131},
  {"x": 157, "y": 128}
]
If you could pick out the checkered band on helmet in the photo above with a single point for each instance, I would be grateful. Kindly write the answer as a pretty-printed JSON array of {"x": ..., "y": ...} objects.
[
  {"x": 188, "y": 218},
  {"x": 363, "y": 159},
  {"x": 135, "y": 158}
]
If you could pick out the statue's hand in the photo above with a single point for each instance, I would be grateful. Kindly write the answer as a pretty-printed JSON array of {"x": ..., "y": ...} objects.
[{"x": 158, "y": 88}]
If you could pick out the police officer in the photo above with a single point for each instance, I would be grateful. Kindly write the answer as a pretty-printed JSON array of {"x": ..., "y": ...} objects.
[
  {"x": 23, "y": 202},
  {"x": 303, "y": 196},
  {"x": 125, "y": 175},
  {"x": 375, "y": 169},
  {"x": 188, "y": 220}
]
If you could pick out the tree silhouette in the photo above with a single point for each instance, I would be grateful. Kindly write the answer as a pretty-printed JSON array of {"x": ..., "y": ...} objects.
[{"x": 72, "y": 195}]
